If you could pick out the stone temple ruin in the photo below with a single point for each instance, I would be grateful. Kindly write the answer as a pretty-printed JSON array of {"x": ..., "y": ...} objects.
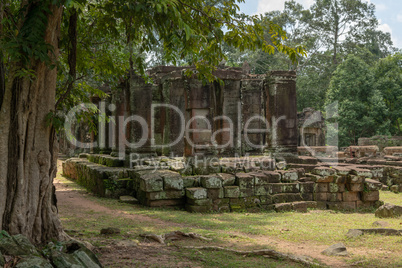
[{"x": 230, "y": 146}]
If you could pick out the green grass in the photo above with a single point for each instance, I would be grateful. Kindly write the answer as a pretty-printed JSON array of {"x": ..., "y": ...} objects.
[
  {"x": 242, "y": 230},
  {"x": 390, "y": 197}
]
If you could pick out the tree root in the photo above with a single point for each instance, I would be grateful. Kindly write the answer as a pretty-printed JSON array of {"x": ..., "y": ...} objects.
[
  {"x": 268, "y": 253},
  {"x": 173, "y": 236}
]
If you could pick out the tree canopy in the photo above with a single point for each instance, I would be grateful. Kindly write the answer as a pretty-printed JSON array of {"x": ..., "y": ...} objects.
[{"x": 55, "y": 53}]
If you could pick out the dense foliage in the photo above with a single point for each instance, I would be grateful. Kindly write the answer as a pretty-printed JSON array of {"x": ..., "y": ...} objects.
[{"x": 349, "y": 60}]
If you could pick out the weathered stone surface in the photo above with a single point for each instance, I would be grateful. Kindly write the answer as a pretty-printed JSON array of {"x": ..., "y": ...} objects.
[
  {"x": 196, "y": 193},
  {"x": 74, "y": 254},
  {"x": 232, "y": 191},
  {"x": 289, "y": 175},
  {"x": 324, "y": 171},
  {"x": 385, "y": 188},
  {"x": 172, "y": 180},
  {"x": 394, "y": 188},
  {"x": 289, "y": 187},
  {"x": 335, "y": 197},
  {"x": 273, "y": 177},
  {"x": 306, "y": 187},
  {"x": 17, "y": 245},
  {"x": 260, "y": 178},
  {"x": 321, "y": 187},
  {"x": 381, "y": 231},
  {"x": 274, "y": 188},
  {"x": 151, "y": 182},
  {"x": 251, "y": 201},
  {"x": 389, "y": 211},
  {"x": 237, "y": 204},
  {"x": 373, "y": 185},
  {"x": 200, "y": 202},
  {"x": 354, "y": 233},
  {"x": 299, "y": 206},
  {"x": 266, "y": 200},
  {"x": 355, "y": 187},
  {"x": 371, "y": 196},
  {"x": 284, "y": 207},
  {"x": 190, "y": 181},
  {"x": 164, "y": 195},
  {"x": 211, "y": 182},
  {"x": 355, "y": 179},
  {"x": 351, "y": 196},
  {"x": 165, "y": 203},
  {"x": 380, "y": 224},
  {"x": 286, "y": 198},
  {"x": 365, "y": 173},
  {"x": 244, "y": 180},
  {"x": 227, "y": 179},
  {"x": 336, "y": 188},
  {"x": 33, "y": 262},
  {"x": 336, "y": 250},
  {"x": 261, "y": 190},
  {"x": 215, "y": 193},
  {"x": 246, "y": 192},
  {"x": 321, "y": 196},
  {"x": 128, "y": 199}
]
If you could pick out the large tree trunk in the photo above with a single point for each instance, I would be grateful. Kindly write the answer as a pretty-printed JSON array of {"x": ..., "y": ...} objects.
[{"x": 28, "y": 152}]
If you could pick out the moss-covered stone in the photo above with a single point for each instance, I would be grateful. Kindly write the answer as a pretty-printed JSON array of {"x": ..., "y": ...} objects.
[
  {"x": 227, "y": 179},
  {"x": 199, "y": 202},
  {"x": 151, "y": 183},
  {"x": 196, "y": 193},
  {"x": 198, "y": 209},
  {"x": 244, "y": 181},
  {"x": 232, "y": 191},
  {"x": 163, "y": 195},
  {"x": 172, "y": 180},
  {"x": 211, "y": 182}
]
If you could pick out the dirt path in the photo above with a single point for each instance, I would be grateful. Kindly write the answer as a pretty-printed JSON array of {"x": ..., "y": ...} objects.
[{"x": 72, "y": 201}]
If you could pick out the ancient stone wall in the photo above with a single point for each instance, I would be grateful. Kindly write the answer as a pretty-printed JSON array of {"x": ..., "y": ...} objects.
[
  {"x": 240, "y": 114},
  {"x": 381, "y": 141},
  {"x": 234, "y": 184}
]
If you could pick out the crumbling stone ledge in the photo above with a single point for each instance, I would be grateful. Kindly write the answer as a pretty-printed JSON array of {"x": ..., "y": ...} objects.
[{"x": 241, "y": 188}]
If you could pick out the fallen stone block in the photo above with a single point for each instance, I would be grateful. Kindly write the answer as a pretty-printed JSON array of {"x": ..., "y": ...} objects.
[
  {"x": 352, "y": 233},
  {"x": 381, "y": 231},
  {"x": 389, "y": 211},
  {"x": 380, "y": 224},
  {"x": 336, "y": 250}
]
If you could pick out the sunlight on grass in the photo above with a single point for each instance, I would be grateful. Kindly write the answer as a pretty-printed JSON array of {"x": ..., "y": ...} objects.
[{"x": 322, "y": 227}]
